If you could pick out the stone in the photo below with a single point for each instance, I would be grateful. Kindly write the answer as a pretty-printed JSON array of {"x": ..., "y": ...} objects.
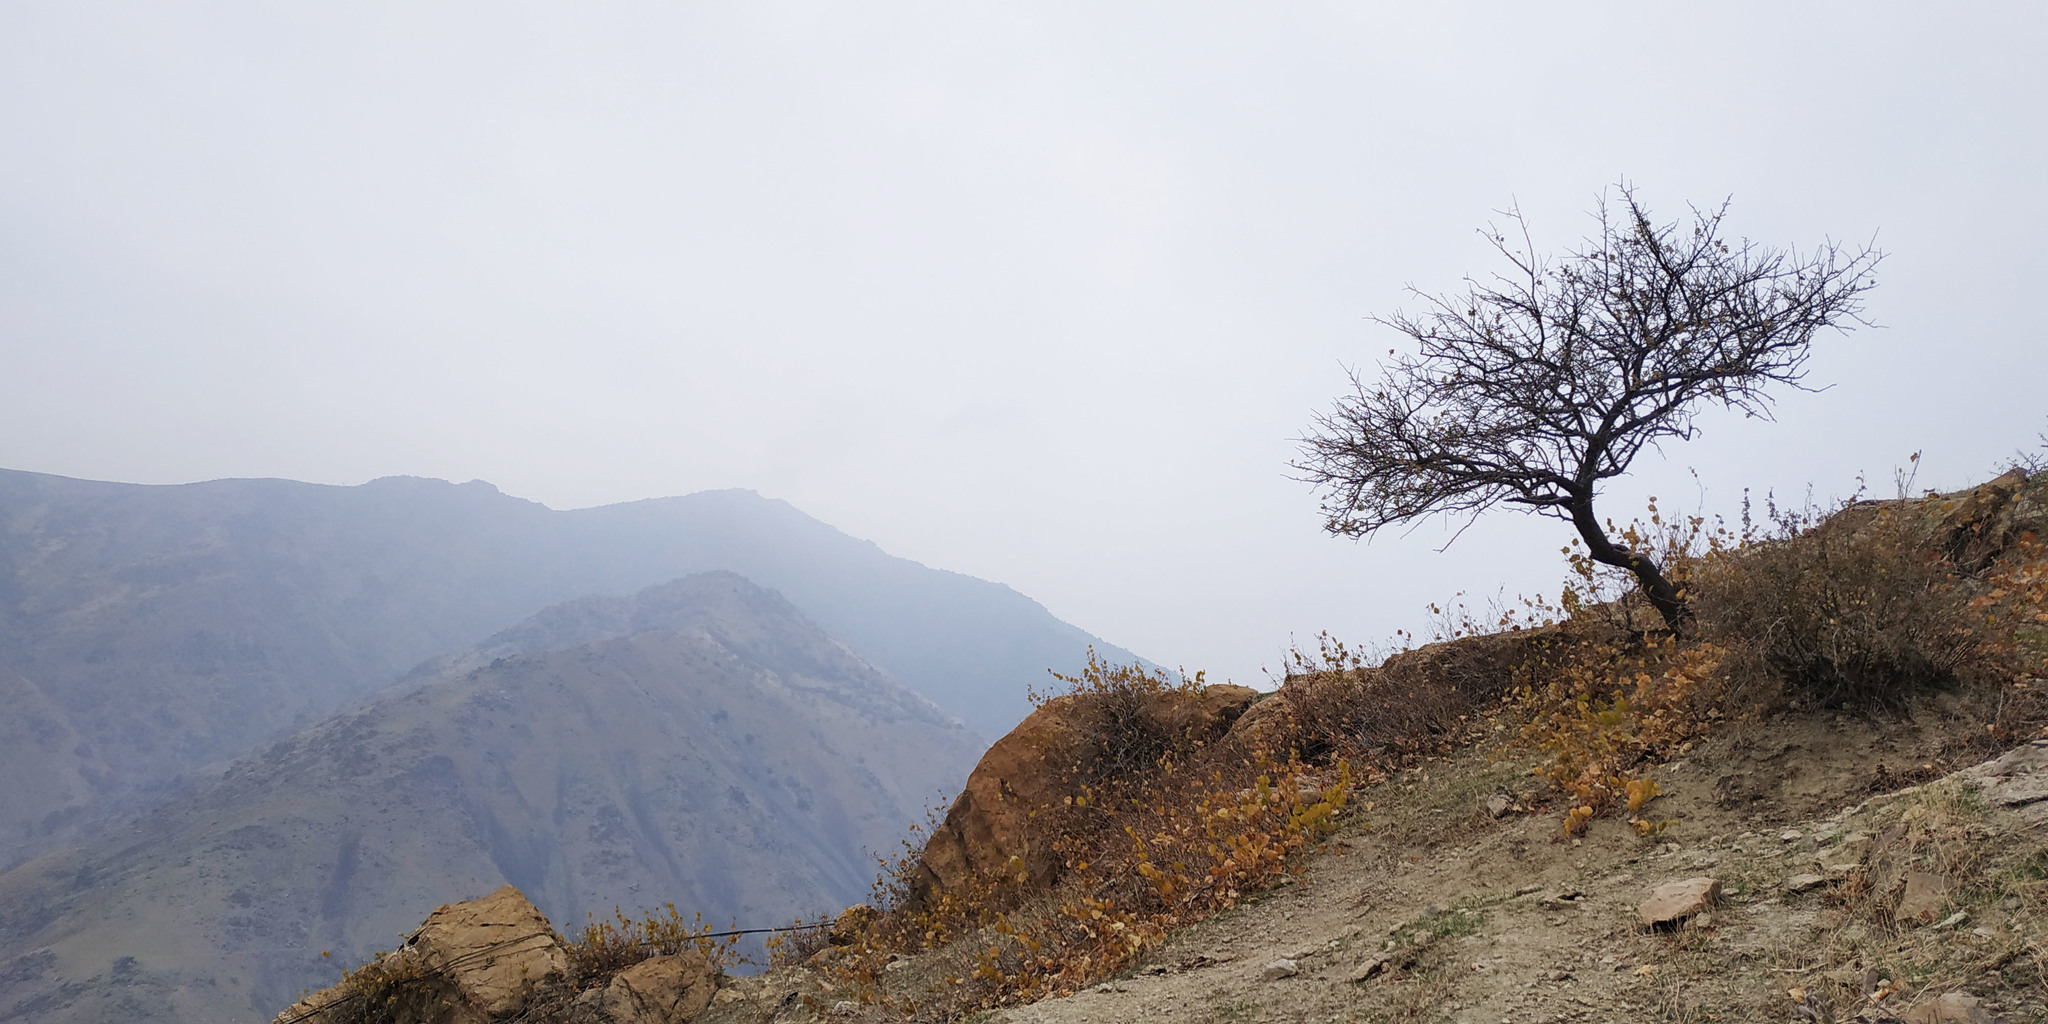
[
  {"x": 1673, "y": 902},
  {"x": 661, "y": 990},
  {"x": 482, "y": 959},
  {"x": 1951, "y": 1008},
  {"x": 1803, "y": 882},
  {"x": 495, "y": 950},
  {"x": 1952, "y": 920},
  {"x": 1498, "y": 805},
  {"x": 1790, "y": 835},
  {"x": 1281, "y": 968},
  {"x": 1369, "y": 969},
  {"x": 1845, "y": 855},
  {"x": 1923, "y": 899}
]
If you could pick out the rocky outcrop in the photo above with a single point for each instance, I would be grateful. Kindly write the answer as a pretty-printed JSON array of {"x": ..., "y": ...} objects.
[
  {"x": 496, "y": 959},
  {"x": 1043, "y": 762},
  {"x": 495, "y": 950},
  {"x": 657, "y": 990}
]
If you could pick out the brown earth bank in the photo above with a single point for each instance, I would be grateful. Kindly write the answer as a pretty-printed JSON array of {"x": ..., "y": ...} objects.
[{"x": 1830, "y": 817}]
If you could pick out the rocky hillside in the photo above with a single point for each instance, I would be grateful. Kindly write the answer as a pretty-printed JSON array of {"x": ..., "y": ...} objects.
[
  {"x": 701, "y": 743},
  {"x": 148, "y": 631}
]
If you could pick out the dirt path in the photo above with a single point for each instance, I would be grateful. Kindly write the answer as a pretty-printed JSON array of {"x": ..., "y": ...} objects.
[{"x": 1478, "y": 920}]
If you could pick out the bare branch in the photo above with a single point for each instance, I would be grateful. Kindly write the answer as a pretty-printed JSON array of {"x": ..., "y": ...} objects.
[{"x": 1532, "y": 387}]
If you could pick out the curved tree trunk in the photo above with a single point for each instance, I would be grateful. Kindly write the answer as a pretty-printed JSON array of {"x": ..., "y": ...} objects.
[{"x": 1660, "y": 592}]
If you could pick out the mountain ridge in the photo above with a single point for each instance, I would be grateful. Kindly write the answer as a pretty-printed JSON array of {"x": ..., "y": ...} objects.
[
  {"x": 731, "y": 757},
  {"x": 166, "y": 627}
]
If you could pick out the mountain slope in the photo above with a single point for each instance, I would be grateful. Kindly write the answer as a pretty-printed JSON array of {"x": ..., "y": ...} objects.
[
  {"x": 167, "y": 628},
  {"x": 705, "y": 745}
]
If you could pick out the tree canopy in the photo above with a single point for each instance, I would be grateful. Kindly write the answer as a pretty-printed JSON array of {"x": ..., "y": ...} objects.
[{"x": 1540, "y": 382}]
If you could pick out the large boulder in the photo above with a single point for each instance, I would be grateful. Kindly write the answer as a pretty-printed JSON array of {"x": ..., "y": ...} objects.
[
  {"x": 469, "y": 963},
  {"x": 660, "y": 990},
  {"x": 1046, "y": 759},
  {"x": 495, "y": 950}
]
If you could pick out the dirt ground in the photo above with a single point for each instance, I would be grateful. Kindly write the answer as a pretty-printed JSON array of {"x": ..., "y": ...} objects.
[
  {"x": 1478, "y": 920},
  {"x": 1428, "y": 907}
]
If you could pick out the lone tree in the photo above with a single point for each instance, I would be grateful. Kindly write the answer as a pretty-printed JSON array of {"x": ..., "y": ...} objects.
[{"x": 1533, "y": 387}]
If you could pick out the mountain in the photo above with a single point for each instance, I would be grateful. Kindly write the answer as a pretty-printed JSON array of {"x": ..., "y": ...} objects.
[
  {"x": 146, "y": 631},
  {"x": 700, "y": 742}
]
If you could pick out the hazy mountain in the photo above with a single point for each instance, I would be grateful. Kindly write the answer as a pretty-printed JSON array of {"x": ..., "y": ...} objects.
[
  {"x": 700, "y": 742},
  {"x": 146, "y": 630}
]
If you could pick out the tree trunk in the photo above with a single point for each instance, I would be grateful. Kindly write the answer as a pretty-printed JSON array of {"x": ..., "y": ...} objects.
[{"x": 1660, "y": 592}]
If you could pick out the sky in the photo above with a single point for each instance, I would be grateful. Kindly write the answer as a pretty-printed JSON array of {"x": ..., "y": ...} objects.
[{"x": 1043, "y": 293}]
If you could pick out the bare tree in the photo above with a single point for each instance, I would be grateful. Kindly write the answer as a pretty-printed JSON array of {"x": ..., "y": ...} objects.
[{"x": 1537, "y": 385}]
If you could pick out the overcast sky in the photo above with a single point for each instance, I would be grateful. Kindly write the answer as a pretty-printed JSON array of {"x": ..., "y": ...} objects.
[{"x": 1037, "y": 292}]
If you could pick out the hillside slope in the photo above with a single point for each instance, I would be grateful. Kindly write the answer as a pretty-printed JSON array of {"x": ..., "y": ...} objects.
[
  {"x": 700, "y": 743},
  {"x": 151, "y": 630}
]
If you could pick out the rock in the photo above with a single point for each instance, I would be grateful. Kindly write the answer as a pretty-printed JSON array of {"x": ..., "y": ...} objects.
[
  {"x": 1846, "y": 855},
  {"x": 845, "y": 1008},
  {"x": 495, "y": 950},
  {"x": 990, "y": 827},
  {"x": 1980, "y": 526},
  {"x": 1888, "y": 855},
  {"x": 1673, "y": 902},
  {"x": 472, "y": 962},
  {"x": 1951, "y": 1008},
  {"x": 1498, "y": 805},
  {"x": 1281, "y": 968},
  {"x": 1371, "y": 968},
  {"x": 1790, "y": 835},
  {"x": 661, "y": 990},
  {"x": 1803, "y": 882},
  {"x": 2018, "y": 780},
  {"x": 1923, "y": 899}
]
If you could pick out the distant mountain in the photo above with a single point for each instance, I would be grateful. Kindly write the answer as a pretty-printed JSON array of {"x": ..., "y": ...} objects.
[
  {"x": 700, "y": 742},
  {"x": 149, "y": 630}
]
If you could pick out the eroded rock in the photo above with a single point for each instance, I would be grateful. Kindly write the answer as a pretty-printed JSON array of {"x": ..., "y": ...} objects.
[
  {"x": 661, "y": 990},
  {"x": 469, "y": 963},
  {"x": 990, "y": 827},
  {"x": 1671, "y": 903},
  {"x": 1926, "y": 893},
  {"x": 1281, "y": 968}
]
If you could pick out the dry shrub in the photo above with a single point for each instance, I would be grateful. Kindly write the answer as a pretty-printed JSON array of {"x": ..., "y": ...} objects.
[
  {"x": 1859, "y": 608},
  {"x": 1158, "y": 834},
  {"x": 392, "y": 986},
  {"x": 607, "y": 947},
  {"x": 1117, "y": 700},
  {"x": 1415, "y": 703},
  {"x": 1602, "y": 709}
]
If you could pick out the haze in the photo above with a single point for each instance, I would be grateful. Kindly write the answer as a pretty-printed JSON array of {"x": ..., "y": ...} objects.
[{"x": 1039, "y": 293}]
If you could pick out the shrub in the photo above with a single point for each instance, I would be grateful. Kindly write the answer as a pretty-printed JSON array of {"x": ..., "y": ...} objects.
[
  {"x": 1601, "y": 713},
  {"x": 607, "y": 947},
  {"x": 1116, "y": 699},
  {"x": 1856, "y": 608}
]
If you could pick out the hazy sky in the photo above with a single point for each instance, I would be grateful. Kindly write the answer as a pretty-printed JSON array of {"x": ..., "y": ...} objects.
[{"x": 1038, "y": 292}]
